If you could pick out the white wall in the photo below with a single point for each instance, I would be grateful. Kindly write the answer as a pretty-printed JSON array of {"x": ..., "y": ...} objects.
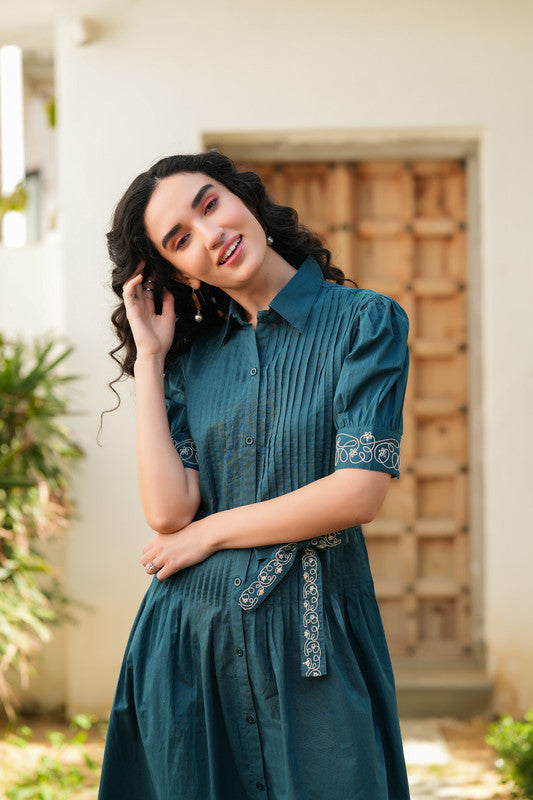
[
  {"x": 31, "y": 300},
  {"x": 160, "y": 76}
]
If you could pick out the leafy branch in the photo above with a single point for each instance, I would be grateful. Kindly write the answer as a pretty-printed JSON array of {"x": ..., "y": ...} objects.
[
  {"x": 16, "y": 201},
  {"x": 36, "y": 455}
]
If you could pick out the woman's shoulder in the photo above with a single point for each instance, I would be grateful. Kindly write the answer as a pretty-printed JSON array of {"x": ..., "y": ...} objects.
[{"x": 357, "y": 301}]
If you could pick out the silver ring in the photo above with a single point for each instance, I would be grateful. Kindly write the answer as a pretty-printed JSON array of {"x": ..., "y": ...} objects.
[
  {"x": 151, "y": 567},
  {"x": 147, "y": 289}
]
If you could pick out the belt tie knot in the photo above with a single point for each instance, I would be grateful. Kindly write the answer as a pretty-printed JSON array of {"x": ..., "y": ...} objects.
[{"x": 279, "y": 561}]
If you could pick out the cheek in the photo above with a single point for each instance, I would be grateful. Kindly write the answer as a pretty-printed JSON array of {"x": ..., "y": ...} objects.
[
  {"x": 257, "y": 230},
  {"x": 194, "y": 262},
  {"x": 241, "y": 213}
]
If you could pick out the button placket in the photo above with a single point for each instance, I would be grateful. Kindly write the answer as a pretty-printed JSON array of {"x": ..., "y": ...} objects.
[
  {"x": 249, "y": 424},
  {"x": 251, "y": 760},
  {"x": 252, "y": 753}
]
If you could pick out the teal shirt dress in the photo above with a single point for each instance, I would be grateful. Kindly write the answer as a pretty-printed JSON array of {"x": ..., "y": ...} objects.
[{"x": 263, "y": 673}]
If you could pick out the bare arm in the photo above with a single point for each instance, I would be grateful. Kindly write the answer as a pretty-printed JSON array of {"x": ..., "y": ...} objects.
[
  {"x": 168, "y": 490},
  {"x": 347, "y": 497}
]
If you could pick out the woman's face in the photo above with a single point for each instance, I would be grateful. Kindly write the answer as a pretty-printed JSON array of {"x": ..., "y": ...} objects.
[{"x": 205, "y": 231}]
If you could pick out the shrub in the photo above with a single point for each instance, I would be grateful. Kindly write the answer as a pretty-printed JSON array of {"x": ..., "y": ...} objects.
[
  {"x": 513, "y": 741},
  {"x": 36, "y": 454},
  {"x": 57, "y": 775}
]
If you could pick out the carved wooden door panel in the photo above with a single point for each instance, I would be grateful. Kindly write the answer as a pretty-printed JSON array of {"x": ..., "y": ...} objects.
[{"x": 400, "y": 228}]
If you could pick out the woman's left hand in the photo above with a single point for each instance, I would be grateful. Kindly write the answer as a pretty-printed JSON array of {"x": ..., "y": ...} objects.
[{"x": 168, "y": 553}]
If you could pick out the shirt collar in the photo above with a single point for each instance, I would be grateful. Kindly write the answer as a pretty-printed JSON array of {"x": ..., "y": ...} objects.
[{"x": 293, "y": 302}]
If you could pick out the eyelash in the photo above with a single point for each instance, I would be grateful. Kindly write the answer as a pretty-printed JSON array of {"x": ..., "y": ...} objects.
[{"x": 211, "y": 204}]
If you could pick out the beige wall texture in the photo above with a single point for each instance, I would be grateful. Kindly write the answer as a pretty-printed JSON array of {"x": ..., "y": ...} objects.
[{"x": 160, "y": 76}]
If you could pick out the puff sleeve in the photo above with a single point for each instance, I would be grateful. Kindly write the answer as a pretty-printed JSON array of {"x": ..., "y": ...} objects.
[
  {"x": 177, "y": 414},
  {"x": 369, "y": 396}
]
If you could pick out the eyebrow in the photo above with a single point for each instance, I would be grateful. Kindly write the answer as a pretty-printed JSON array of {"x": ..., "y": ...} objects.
[{"x": 195, "y": 203}]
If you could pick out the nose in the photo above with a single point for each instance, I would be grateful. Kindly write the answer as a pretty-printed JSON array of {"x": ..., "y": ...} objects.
[{"x": 215, "y": 238}]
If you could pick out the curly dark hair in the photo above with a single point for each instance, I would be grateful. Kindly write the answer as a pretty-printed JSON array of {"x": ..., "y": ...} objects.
[{"x": 128, "y": 244}]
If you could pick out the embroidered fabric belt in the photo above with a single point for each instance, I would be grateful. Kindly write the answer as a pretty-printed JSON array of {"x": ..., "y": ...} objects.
[{"x": 280, "y": 560}]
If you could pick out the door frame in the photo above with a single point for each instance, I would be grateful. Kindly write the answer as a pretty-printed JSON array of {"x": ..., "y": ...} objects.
[{"x": 409, "y": 144}]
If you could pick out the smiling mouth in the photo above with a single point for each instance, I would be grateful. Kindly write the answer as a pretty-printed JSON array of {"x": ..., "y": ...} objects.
[{"x": 228, "y": 252}]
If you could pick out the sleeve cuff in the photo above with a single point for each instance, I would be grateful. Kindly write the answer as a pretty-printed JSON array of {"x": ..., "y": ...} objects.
[
  {"x": 186, "y": 450},
  {"x": 373, "y": 449}
]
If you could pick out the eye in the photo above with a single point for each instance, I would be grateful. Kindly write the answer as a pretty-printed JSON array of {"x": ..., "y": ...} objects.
[
  {"x": 211, "y": 204},
  {"x": 181, "y": 242}
]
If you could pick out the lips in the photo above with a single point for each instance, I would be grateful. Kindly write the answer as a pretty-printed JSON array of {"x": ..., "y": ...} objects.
[{"x": 229, "y": 249}]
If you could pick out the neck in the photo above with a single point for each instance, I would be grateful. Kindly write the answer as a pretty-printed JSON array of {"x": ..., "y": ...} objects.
[{"x": 271, "y": 280}]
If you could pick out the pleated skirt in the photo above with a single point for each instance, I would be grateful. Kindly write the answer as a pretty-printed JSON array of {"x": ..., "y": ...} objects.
[{"x": 211, "y": 703}]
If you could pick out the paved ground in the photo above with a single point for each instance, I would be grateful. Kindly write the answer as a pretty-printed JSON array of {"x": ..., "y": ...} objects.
[{"x": 447, "y": 760}]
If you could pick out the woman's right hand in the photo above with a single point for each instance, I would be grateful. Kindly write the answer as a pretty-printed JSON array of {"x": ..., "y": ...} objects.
[{"x": 153, "y": 333}]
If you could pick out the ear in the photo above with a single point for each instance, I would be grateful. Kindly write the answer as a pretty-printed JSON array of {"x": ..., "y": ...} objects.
[{"x": 194, "y": 283}]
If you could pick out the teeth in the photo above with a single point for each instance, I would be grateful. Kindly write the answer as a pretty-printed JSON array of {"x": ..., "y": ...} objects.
[{"x": 227, "y": 253}]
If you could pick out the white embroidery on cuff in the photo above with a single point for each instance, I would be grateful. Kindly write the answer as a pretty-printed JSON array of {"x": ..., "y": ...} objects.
[{"x": 366, "y": 449}]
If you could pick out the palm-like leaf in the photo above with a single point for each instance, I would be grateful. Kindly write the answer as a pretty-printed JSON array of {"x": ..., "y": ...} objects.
[{"x": 36, "y": 455}]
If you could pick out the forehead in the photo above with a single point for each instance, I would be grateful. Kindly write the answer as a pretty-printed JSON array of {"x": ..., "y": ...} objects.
[{"x": 171, "y": 200}]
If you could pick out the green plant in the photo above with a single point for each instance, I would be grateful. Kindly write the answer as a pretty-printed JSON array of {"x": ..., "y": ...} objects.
[
  {"x": 513, "y": 741},
  {"x": 36, "y": 454},
  {"x": 50, "y": 111},
  {"x": 16, "y": 201},
  {"x": 56, "y": 776}
]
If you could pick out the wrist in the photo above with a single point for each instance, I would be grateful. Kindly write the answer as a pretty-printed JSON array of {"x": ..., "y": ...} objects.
[
  {"x": 215, "y": 531},
  {"x": 149, "y": 361}
]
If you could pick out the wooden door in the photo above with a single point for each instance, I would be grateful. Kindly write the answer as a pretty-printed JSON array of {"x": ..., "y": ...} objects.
[{"x": 400, "y": 228}]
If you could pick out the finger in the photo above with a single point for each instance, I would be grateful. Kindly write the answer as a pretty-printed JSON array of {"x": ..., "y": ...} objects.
[
  {"x": 152, "y": 567},
  {"x": 167, "y": 309},
  {"x": 140, "y": 269},
  {"x": 148, "y": 295},
  {"x": 153, "y": 547},
  {"x": 134, "y": 278},
  {"x": 149, "y": 554},
  {"x": 166, "y": 571},
  {"x": 130, "y": 288},
  {"x": 132, "y": 284}
]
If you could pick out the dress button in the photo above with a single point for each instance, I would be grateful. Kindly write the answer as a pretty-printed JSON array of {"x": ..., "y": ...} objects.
[
  {"x": 253, "y": 371},
  {"x": 250, "y": 719},
  {"x": 239, "y": 651},
  {"x": 237, "y": 581},
  {"x": 249, "y": 440},
  {"x": 260, "y": 786}
]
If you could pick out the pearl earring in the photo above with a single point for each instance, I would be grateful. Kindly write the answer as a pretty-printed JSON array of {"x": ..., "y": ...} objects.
[{"x": 198, "y": 317}]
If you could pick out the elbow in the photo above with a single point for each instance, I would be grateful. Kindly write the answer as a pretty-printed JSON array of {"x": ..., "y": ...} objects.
[
  {"x": 367, "y": 515},
  {"x": 366, "y": 491},
  {"x": 366, "y": 509},
  {"x": 169, "y": 523}
]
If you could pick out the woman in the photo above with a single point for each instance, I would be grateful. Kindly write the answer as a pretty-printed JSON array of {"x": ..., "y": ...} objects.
[{"x": 269, "y": 401}]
